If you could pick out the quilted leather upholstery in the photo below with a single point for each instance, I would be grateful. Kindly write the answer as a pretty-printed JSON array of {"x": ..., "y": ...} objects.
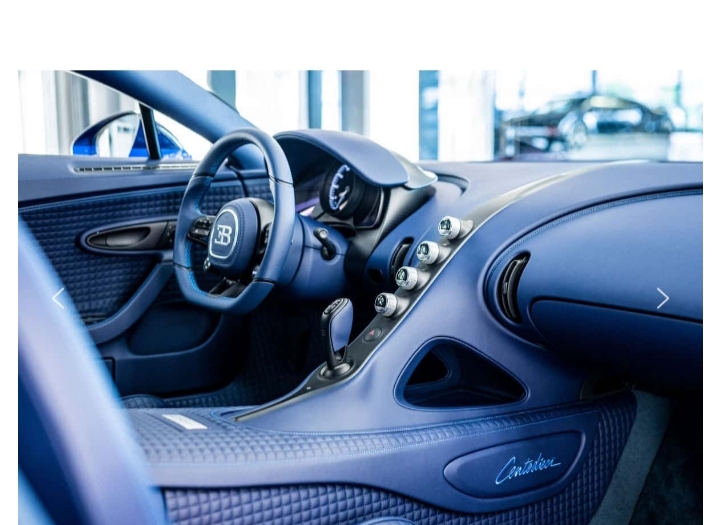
[
  {"x": 258, "y": 188},
  {"x": 349, "y": 505},
  {"x": 101, "y": 284},
  {"x": 142, "y": 401}
]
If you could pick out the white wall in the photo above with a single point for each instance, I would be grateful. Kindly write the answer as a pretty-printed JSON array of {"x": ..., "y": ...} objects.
[
  {"x": 392, "y": 110},
  {"x": 331, "y": 99},
  {"x": 272, "y": 100},
  {"x": 465, "y": 115},
  {"x": 38, "y": 114}
]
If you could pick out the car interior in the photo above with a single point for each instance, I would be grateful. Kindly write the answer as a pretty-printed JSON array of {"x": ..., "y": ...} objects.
[{"x": 307, "y": 328}]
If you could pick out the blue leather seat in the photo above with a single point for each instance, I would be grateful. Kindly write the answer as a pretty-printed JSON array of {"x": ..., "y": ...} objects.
[{"x": 76, "y": 453}]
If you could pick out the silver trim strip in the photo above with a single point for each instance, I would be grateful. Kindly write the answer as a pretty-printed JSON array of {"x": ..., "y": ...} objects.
[{"x": 185, "y": 422}]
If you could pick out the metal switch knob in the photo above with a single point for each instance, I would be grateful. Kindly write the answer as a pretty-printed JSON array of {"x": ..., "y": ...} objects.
[
  {"x": 449, "y": 227},
  {"x": 407, "y": 277},
  {"x": 386, "y": 304},
  {"x": 428, "y": 252}
]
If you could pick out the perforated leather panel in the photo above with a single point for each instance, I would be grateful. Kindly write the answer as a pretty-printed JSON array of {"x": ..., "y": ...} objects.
[
  {"x": 336, "y": 504},
  {"x": 142, "y": 401},
  {"x": 347, "y": 505},
  {"x": 258, "y": 188},
  {"x": 101, "y": 284}
]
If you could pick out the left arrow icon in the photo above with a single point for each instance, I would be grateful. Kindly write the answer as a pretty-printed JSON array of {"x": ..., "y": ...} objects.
[{"x": 54, "y": 298}]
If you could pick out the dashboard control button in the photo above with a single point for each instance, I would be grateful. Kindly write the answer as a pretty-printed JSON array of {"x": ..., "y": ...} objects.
[
  {"x": 428, "y": 252},
  {"x": 328, "y": 250},
  {"x": 373, "y": 334},
  {"x": 407, "y": 277},
  {"x": 449, "y": 227},
  {"x": 386, "y": 304}
]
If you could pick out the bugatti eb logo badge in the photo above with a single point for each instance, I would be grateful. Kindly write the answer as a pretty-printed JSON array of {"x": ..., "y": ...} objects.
[{"x": 223, "y": 235}]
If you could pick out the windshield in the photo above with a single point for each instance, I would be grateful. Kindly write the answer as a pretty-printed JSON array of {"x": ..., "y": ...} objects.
[
  {"x": 508, "y": 115},
  {"x": 482, "y": 115}
]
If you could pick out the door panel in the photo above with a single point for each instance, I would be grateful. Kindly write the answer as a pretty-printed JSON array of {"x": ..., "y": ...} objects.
[
  {"x": 101, "y": 284},
  {"x": 130, "y": 302}
]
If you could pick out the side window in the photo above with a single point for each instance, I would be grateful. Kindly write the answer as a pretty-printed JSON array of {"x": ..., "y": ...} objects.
[
  {"x": 193, "y": 145},
  {"x": 64, "y": 114}
]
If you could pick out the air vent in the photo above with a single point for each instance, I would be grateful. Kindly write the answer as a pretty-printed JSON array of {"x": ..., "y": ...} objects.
[
  {"x": 136, "y": 167},
  {"x": 508, "y": 286},
  {"x": 398, "y": 257}
]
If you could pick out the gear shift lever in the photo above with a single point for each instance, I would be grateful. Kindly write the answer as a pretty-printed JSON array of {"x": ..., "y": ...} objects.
[{"x": 335, "y": 326}]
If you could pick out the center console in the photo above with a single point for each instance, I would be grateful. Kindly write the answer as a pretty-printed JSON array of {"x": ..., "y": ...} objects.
[{"x": 433, "y": 256}]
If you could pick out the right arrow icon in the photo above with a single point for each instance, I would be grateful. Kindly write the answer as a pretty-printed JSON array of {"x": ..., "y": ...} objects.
[{"x": 664, "y": 300}]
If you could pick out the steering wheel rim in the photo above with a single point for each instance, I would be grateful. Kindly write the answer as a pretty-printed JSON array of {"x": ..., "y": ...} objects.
[{"x": 280, "y": 232}]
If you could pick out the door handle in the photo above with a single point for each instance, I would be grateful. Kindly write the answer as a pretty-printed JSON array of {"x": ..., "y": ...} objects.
[{"x": 137, "y": 237}]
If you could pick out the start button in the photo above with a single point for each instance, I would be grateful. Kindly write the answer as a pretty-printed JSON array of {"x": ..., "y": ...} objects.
[{"x": 372, "y": 334}]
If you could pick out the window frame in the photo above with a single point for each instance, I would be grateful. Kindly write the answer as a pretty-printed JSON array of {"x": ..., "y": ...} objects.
[{"x": 152, "y": 140}]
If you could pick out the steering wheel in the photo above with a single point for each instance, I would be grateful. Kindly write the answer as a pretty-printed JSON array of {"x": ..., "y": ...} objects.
[{"x": 249, "y": 239}]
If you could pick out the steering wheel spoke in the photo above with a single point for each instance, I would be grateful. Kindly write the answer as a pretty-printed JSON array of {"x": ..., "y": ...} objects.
[
  {"x": 260, "y": 249},
  {"x": 227, "y": 288}
]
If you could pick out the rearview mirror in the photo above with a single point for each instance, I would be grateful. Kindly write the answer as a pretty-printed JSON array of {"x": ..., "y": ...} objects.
[{"x": 122, "y": 135}]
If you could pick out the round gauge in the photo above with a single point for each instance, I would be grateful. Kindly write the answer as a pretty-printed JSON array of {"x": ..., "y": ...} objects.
[{"x": 342, "y": 192}]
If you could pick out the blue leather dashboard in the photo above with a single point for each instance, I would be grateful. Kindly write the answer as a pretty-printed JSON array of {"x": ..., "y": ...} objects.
[
  {"x": 618, "y": 284},
  {"x": 308, "y": 459},
  {"x": 455, "y": 306}
]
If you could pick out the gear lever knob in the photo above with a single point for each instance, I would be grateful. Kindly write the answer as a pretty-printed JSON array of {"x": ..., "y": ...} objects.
[{"x": 335, "y": 325}]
